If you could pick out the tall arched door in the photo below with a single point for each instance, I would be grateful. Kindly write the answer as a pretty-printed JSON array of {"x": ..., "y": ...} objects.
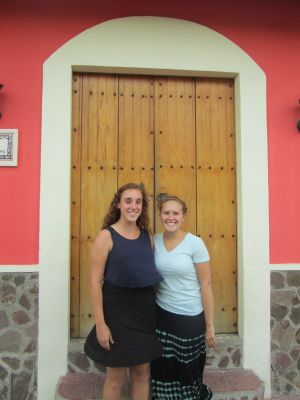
[{"x": 175, "y": 135}]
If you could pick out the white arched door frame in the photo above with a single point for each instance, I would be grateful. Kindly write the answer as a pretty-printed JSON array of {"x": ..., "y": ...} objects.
[{"x": 156, "y": 46}]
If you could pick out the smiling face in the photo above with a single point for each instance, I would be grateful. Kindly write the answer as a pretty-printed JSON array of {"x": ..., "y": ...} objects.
[
  {"x": 172, "y": 216},
  {"x": 130, "y": 205}
]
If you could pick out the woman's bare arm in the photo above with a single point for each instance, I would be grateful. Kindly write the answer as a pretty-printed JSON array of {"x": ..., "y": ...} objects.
[
  {"x": 99, "y": 253},
  {"x": 204, "y": 276}
]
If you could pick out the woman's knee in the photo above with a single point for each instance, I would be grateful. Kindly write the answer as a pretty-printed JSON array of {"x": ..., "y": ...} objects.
[
  {"x": 140, "y": 373},
  {"x": 116, "y": 377}
]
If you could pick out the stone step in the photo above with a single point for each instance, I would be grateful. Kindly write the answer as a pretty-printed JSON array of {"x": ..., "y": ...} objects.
[
  {"x": 226, "y": 384},
  {"x": 234, "y": 384},
  {"x": 228, "y": 354}
]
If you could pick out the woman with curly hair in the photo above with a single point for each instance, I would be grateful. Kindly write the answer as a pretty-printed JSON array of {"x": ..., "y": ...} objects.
[
  {"x": 184, "y": 307},
  {"x": 124, "y": 306}
]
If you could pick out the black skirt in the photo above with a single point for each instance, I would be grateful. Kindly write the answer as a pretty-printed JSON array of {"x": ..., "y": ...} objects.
[
  {"x": 130, "y": 314},
  {"x": 178, "y": 374}
]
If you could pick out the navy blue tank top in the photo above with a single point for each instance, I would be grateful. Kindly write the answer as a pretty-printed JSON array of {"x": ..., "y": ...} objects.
[{"x": 130, "y": 262}]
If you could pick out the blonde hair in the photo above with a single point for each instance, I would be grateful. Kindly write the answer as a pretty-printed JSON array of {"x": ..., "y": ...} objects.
[{"x": 162, "y": 198}]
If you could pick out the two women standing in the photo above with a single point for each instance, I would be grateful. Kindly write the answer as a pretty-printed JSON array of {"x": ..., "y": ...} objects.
[{"x": 124, "y": 306}]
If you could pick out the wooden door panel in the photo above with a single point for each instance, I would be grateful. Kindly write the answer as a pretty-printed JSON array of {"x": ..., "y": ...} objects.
[
  {"x": 175, "y": 135},
  {"x": 175, "y": 157},
  {"x": 224, "y": 270},
  {"x": 75, "y": 203},
  {"x": 98, "y": 172},
  {"x": 216, "y": 207},
  {"x": 136, "y": 134},
  {"x": 216, "y": 189},
  {"x": 217, "y": 227},
  {"x": 215, "y": 115}
]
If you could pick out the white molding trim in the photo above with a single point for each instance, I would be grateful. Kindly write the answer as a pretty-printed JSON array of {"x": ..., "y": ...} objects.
[
  {"x": 162, "y": 46},
  {"x": 285, "y": 267},
  {"x": 19, "y": 268}
]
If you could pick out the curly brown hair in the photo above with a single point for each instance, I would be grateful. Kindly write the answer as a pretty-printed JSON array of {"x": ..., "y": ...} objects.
[
  {"x": 113, "y": 214},
  {"x": 162, "y": 198}
]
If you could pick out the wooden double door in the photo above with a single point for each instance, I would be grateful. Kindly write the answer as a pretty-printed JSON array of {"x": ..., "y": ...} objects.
[{"x": 175, "y": 135}]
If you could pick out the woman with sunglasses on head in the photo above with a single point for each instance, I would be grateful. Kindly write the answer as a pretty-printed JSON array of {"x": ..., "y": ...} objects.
[
  {"x": 184, "y": 307},
  {"x": 124, "y": 306}
]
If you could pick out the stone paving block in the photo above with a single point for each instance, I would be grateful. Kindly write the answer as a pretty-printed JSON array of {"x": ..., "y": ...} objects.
[
  {"x": 228, "y": 380},
  {"x": 216, "y": 381},
  {"x": 243, "y": 380},
  {"x": 83, "y": 386}
]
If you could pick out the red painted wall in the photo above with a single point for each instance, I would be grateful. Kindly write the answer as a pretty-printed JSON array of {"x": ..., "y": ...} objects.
[{"x": 268, "y": 30}]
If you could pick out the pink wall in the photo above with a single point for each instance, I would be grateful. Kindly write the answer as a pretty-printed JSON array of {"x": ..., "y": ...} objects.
[{"x": 268, "y": 30}]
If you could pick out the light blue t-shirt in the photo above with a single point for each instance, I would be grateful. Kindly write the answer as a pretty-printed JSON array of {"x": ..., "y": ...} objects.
[{"x": 180, "y": 291}]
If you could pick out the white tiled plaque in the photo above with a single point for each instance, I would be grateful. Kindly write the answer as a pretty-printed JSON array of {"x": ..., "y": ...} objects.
[{"x": 8, "y": 147}]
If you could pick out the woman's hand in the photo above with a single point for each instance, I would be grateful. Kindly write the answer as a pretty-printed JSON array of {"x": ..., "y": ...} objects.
[
  {"x": 210, "y": 337},
  {"x": 104, "y": 336}
]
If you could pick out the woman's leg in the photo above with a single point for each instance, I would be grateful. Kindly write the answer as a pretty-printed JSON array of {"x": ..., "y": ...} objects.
[
  {"x": 115, "y": 379},
  {"x": 140, "y": 381}
]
